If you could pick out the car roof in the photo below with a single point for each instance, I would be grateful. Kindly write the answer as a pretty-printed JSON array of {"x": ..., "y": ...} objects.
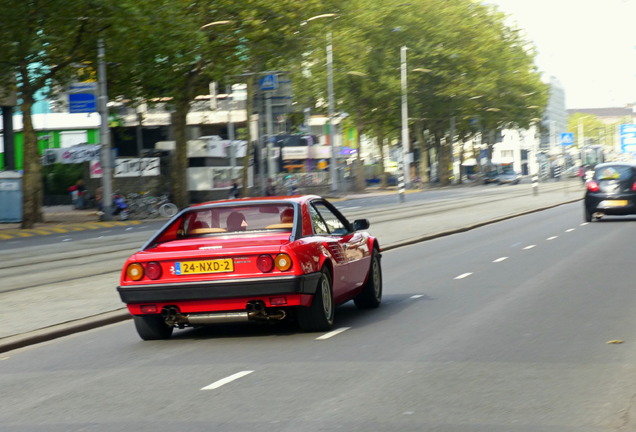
[
  {"x": 620, "y": 163},
  {"x": 294, "y": 199}
]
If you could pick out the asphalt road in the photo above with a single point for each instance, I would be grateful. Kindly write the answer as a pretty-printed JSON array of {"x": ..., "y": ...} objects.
[{"x": 504, "y": 328}]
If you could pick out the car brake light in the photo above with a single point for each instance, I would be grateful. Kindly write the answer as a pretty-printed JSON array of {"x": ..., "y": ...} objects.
[
  {"x": 634, "y": 186},
  {"x": 153, "y": 270},
  {"x": 149, "y": 309},
  {"x": 283, "y": 262},
  {"x": 265, "y": 263},
  {"x": 135, "y": 271},
  {"x": 592, "y": 186},
  {"x": 278, "y": 301}
]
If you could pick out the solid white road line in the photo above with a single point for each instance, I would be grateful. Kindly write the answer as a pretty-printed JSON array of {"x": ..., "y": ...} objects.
[
  {"x": 227, "y": 380},
  {"x": 500, "y": 259},
  {"x": 462, "y": 276},
  {"x": 332, "y": 333}
]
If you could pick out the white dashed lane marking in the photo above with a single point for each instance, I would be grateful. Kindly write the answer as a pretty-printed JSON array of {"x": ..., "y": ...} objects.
[
  {"x": 500, "y": 259},
  {"x": 462, "y": 276},
  {"x": 332, "y": 333},
  {"x": 227, "y": 380},
  {"x": 529, "y": 247},
  {"x": 552, "y": 238}
]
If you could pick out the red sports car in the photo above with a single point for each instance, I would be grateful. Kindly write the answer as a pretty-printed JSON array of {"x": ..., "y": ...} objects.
[{"x": 252, "y": 259}]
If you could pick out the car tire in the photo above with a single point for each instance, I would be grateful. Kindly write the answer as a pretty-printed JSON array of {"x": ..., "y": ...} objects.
[
  {"x": 320, "y": 315},
  {"x": 588, "y": 215},
  {"x": 371, "y": 295},
  {"x": 152, "y": 327}
]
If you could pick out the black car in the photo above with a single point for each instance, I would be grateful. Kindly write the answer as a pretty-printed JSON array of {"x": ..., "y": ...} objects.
[{"x": 611, "y": 190}]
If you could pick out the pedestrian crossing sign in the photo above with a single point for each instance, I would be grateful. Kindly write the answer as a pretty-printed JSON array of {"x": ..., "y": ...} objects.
[
  {"x": 269, "y": 82},
  {"x": 567, "y": 138}
]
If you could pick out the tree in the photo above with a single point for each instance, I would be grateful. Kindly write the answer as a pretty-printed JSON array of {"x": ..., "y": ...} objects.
[
  {"x": 588, "y": 128},
  {"x": 40, "y": 42},
  {"x": 177, "y": 52}
]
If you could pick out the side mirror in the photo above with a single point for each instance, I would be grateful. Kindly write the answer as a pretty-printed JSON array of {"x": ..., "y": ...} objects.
[{"x": 361, "y": 224}]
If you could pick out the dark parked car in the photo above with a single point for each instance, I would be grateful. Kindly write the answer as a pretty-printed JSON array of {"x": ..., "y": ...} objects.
[
  {"x": 491, "y": 177},
  {"x": 506, "y": 177},
  {"x": 509, "y": 177},
  {"x": 611, "y": 191}
]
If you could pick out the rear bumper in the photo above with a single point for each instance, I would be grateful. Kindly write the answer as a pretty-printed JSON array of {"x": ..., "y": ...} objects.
[
  {"x": 602, "y": 204},
  {"x": 207, "y": 290}
]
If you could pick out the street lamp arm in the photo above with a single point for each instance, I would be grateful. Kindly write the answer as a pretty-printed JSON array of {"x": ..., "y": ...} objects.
[
  {"x": 327, "y": 15},
  {"x": 215, "y": 23}
]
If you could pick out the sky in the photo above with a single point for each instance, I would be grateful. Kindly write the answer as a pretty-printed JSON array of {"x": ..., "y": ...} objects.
[{"x": 588, "y": 45}]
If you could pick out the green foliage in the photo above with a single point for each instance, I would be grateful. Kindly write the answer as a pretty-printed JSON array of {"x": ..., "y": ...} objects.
[
  {"x": 463, "y": 62},
  {"x": 57, "y": 178},
  {"x": 590, "y": 128}
]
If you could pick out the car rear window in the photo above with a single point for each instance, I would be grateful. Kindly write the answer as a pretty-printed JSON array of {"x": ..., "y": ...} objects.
[
  {"x": 240, "y": 218},
  {"x": 614, "y": 172}
]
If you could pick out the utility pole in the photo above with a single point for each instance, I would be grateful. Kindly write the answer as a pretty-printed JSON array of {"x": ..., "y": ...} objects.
[
  {"x": 230, "y": 129},
  {"x": 405, "y": 118},
  {"x": 106, "y": 157},
  {"x": 333, "y": 169}
]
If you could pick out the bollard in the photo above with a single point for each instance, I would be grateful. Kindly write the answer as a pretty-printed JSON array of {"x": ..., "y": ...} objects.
[
  {"x": 401, "y": 189},
  {"x": 535, "y": 185}
]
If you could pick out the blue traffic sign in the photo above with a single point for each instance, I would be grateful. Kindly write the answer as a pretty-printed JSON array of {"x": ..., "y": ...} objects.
[
  {"x": 82, "y": 103},
  {"x": 628, "y": 138},
  {"x": 567, "y": 138},
  {"x": 269, "y": 82}
]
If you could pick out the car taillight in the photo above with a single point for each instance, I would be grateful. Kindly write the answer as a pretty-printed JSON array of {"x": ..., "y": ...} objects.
[
  {"x": 634, "y": 186},
  {"x": 265, "y": 263},
  {"x": 153, "y": 270},
  {"x": 135, "y": 271},
  {"x": 283, "y": 262},
  {"x": 592, "y": 186}
]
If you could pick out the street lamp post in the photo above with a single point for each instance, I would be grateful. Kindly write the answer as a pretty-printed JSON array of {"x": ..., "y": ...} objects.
[
  {"x": 333, "y": 170},
  {"x": 106, "y": 157},
  {"x": 405, "y": 120}
]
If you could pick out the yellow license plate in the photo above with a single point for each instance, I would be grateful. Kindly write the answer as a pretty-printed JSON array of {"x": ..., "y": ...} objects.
[
  {"x": 615, "y": 203},
  {"x": 200, "y": 267}
]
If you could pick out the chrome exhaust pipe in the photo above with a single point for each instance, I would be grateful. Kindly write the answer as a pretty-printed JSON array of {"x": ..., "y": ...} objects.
[
  {"x": 265, "y": 316},
  {"x": 256, "y": 306},
  {"x": 216, "y": 318}
]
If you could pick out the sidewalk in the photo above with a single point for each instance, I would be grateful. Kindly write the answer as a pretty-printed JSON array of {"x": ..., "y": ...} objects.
[{"x": 72, "y": 306}]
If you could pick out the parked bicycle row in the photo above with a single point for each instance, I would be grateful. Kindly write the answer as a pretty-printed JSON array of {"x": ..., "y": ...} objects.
[{"x": 140, "y": 206}]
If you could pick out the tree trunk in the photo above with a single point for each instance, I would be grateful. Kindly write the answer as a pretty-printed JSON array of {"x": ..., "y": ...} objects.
[
  {"x": 423, "y": 146},
  {"x": 180, "y": 195},
  {"x": 443, "y": 159},
  {"x": 249, "y": 108},
  {"x": 360, "y": 181},
  {"x": 380, "y": 138},
  {"x": 32, "y": 177}
]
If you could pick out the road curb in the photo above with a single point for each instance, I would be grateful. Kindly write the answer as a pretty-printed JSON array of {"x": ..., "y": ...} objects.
[
  {"x": 64, "y": 329},
  {"x": 426, "y": 237}
]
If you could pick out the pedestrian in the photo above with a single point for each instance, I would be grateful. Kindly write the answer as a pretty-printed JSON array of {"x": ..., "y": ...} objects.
[
  {"x": 81, "y": 194},
  {"x": 99, "y": 201},
  {"x": 582, "y": 173},
  {"x": 73, "y": 191},
  {"x": 235, "y": 191}
]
